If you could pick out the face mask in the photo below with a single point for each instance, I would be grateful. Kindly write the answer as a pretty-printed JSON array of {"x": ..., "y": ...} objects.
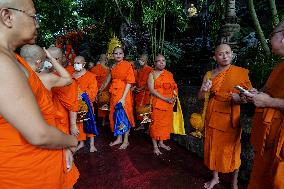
[
  {"x": 47, "y": 65},
  {"x": 78, "y": 67}
]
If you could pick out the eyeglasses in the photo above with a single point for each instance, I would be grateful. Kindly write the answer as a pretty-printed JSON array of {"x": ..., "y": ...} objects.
[
  {"x": 273, "y": 33},
  {"x": 35, "y": 17}
]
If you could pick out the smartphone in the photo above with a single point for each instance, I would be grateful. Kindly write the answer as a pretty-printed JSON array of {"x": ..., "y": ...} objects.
[{"x": 242, "y": 90}]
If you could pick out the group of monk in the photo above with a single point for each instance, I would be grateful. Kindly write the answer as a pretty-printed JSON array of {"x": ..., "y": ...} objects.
[{"x": 39, "y": 108}]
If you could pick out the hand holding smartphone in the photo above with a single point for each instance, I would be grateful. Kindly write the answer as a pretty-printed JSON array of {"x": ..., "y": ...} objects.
[{"x": 244, "y": 91}]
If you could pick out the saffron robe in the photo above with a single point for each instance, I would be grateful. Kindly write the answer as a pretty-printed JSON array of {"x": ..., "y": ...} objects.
[
  {"x": 87, "y": 83},
  {"x": 70, "y": 69},
  {"x": 65, "y": 99},
  {"x": 22, "y": 164},
  {"x": 121, "y": 75},
  {"x": 222, "y": 145},
  {"x": 162, "y": 111},
  {"x": 267, "y": 137},
  {"x": 101, "y": 72},
  {"x": 143, "y": 97}
]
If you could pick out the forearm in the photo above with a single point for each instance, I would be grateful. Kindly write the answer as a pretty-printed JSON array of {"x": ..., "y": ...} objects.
[
  {"x": 126, "y": 90},
  {"x": 55, "y": 139},
  {"x": 276, "y": 103},
  {"x": 63, "y": 73},
  {"x": 157, "y": 94},
  {"x": 72, "y": 118}
]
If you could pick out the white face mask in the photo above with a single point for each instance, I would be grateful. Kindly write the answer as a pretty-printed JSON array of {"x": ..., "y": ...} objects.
[
  {"x": 47, "y": 65},
  {"x": 78, "y": 67}
]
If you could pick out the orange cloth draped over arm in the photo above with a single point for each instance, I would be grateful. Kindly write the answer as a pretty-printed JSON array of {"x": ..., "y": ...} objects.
[
  {"x": 65, "y": 100},
  {"x": 143, "y": 97},
  {"x": 162, "y": 112},
  {"x": 121, "y": 75},
  {"x": 101, "y": 72},
  {"x": 267, "y": 137},
  {"x": 222, "y": 145},
  {"x": 22, "y": 164},
  {"x": 87, "y": 83}
]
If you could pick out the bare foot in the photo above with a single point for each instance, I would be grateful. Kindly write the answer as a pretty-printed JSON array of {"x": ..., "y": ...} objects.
[
  {"x": 116, "y": 142},
  {"x": 141, "y": 127},
  {"x": 124, "y": 146},
  {"x": 81, "y": 145},
  {"x": 157, "y": 151},
  {"x": 211, "y": 183},
  {"x": 165, "y": 147},
  {"x": 93, "y": 149}
]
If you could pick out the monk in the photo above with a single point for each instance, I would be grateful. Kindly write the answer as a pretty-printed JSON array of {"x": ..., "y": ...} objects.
[
  {"x": 25, "y": 135},
  {"x": 101, "y": 70},
  {"x": 35, "y": 55},
  {"x": 164, "y": 89},
  {"x": 222, "y": 145},
  {"x": 87, "y": 83},
  {"x": 142, "y": 97},
  {"x": 65, "y": 100},
  {"x": 121, "y": 78},
  {"x": 267, "y": 135}
]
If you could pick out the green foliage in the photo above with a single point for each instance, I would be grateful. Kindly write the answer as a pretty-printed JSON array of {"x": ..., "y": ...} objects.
[
  {"x": 260, "y": 66},
  {"x": 57, "y": 16},
  {"x": 172, "y": 52},
  {"x": 217, "y": 11}
]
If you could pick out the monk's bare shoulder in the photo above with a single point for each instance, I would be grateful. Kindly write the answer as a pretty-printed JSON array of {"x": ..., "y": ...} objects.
[{"x": 10, "y": 68}]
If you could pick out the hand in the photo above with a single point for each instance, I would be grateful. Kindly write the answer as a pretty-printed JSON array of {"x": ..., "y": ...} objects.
[
  {"x": 206, "y": 86},
  {"x": 48, "y": 55},
  {"x": 122, "y": 101},
  {"x": 74, "y": 130},
  {"x": 244, "y": 99},
  {"x": 261, "y": 100},
  {"x": 253, "y": 91},
  {"x": 235, "y": 97},
  {"x": 170, "y": 100},
  {"x": 69, "y": 159}
]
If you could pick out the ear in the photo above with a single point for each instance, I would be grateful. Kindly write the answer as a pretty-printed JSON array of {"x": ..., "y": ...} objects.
[
  {"x": 5, "y": 17},
  {"x": 282, "y": 41},
  {"x": 214, "y": 58},
  {"x": 38, "y": 63}
]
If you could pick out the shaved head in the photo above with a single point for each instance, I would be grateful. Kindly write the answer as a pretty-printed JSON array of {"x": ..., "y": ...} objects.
[
  {"x": 56, "y": 53},
  {"x": 32, "y": 53},
  {"x": 80, "y": 59},
  {"x": 222, "y": 46}
]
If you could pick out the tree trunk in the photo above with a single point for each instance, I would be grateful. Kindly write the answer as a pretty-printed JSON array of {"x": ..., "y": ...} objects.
[
  {"x": 258, "y": 28},
  {"x": 275, "y": 18}
]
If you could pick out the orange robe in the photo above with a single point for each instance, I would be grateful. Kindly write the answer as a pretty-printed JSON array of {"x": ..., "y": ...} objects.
[
  {"x": 121, "y": 75},
  {"x": 267, "y": 137},
  {"x": 222, "y": 145},
  {"x": 65, "y": 99},
  {"x": 22, "y": 164},
  {"x": 101, "y": 72},
  {"x": 162, "y": 111},
  {"x": 142, "y": 98},
  {"x": 87, "y": 83},
  {"x": 70, "y": 69}
]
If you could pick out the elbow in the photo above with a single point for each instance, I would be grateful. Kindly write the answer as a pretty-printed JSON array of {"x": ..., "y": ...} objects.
[{"x": 40, "y": 139}]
